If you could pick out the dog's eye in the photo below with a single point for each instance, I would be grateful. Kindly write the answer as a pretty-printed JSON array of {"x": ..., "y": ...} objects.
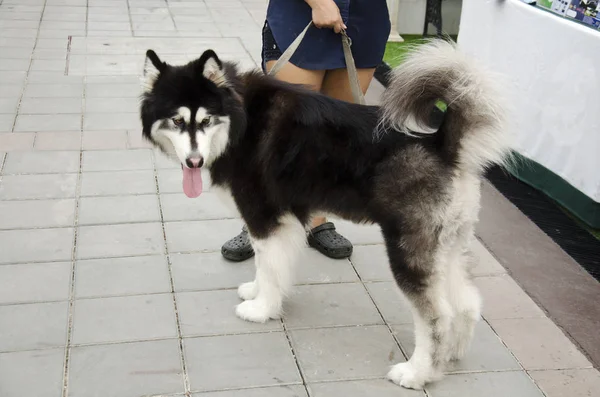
[
  {"x": 177, "y": 120},
  {"x": 205, "y": 121}
]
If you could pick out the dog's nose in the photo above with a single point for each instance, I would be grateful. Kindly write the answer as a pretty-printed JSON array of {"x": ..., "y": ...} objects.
[{"x": 194, "y": 162}]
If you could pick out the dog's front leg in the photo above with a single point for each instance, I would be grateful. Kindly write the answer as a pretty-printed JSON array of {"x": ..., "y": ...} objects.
[{"x": 275, "y": 258}]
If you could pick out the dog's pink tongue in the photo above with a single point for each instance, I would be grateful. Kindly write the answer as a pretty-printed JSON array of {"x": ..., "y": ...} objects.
[{"x": 192, "y": 182}]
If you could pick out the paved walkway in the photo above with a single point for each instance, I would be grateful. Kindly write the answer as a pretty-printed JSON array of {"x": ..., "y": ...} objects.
[{"x": 111, "y": 283}]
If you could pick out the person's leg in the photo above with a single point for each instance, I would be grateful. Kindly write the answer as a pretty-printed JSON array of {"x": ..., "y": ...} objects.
[
  {"x": 239, "y": 248},
  {"x": 290, "y": 73},
  {"x": 337, "y": 85}
]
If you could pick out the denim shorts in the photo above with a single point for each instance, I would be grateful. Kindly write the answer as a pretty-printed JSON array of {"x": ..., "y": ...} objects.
[
  {"x": 368, "y": 27},
  {"x": 270, "y": 49}
]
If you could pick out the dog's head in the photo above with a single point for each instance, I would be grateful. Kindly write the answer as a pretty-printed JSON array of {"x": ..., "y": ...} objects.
[{"x": 188, "y": 111}]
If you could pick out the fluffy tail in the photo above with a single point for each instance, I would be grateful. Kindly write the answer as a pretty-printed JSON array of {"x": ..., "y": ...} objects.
[{"x": 473, "y": 131}]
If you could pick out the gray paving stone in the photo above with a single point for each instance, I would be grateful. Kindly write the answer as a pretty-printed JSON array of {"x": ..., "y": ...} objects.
[
  {"x": 50, "y": 105},
  {"x": 22, "y": 187},
  {"x": 117, "y": 160},
  {"x": 118, "y": 209},
  {"x": 119, "y": 240},
  {"x": 47, "y": 33},
  {"x": 573, "y": 382},
  {"x": 361, "y": 388},
  {"x": 179, "y": 207},
  {"x": 488, "y": 384},
  {"x": 117, "y": 183},
  {"x": 54, "y": 65},
  {"x": 6, "y": 122},
  {"x": 33, "y": 326},
  {"x": 345, "y": 353},
  {"x": 113, "y": 91},
  {"x": 486, "y": 264},
  {"x": 394, "y": 307},
  {"x": 224, "y": 362},
  {"x": 503, "y": 298},
  {"x": 47, "y": 122},
  {"x": 53, "y": 91},
  {"x": 35, "y": 282},
  {"x": 36, "y": 213},
  {"x": 18, "y": 369},
  {"x": 42, "y": 162},
  {"x": 123, "y": 319},
  {"x": 539, "y": 344},
  {"x": 129, "y": 369},
  {"x": 122, "y": 276},
  {"x": 69, "y": 25},
  {"x": 41, "y": 77},
  {"x": 58, "y": 140},
  {"x": 11, "y": 90},
  {"x": 372, "y": 263},
  {"x": 101, "y": 105},
  {"x": 163, "y": 162},
  {"x": 8, "y": 105},
  {"x": 283, "y": 391},
  {"x": 315, "y": 268},
  {"x": 21, "y": 141},
  {"x": 205, "y": 236},
  {"x": 15, "y": 53},
  {"x": 359, "y": 234},
  {"x": 64, "y": 17},
  {"x": 116, "y": 121},
  {"x": 102, "y": 25},
  {"x": 12, "y": 77},
  {"x": 327, "y": 305},
  {"x": 49, "y": 54},
  {"x": 487, "y": 353},
  {"x": 14, "y": 64},
  {"x": 209, "y": 271},
  {"x": 40, "y": 245},
  {"x": 213, "y": 313}
]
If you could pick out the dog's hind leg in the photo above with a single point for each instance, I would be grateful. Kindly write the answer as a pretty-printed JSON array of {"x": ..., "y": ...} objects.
[
  {"x": 466, "y": 303},
  {"x": 418, "y": 270},
  {"x": 275, "y": 259},
  {"x": 462, "y": 293}
]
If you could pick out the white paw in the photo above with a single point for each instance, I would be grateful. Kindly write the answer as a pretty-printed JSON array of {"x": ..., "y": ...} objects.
[
  {"x": 404, "y": 374},
  {"x": 256, "y": 311},
  {"x": 248, "y": 291}
]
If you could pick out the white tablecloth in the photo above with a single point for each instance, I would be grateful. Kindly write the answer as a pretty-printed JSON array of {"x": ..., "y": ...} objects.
[{"x": 555, "y": 67}]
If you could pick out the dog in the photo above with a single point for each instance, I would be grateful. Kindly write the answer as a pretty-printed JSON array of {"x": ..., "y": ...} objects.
[{"x": 280, "y": 152}]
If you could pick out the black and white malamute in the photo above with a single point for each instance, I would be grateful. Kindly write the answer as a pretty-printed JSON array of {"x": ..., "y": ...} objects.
[{"x": 283, "y": 153}]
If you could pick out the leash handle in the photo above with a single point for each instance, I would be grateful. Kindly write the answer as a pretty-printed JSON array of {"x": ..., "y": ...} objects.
[{"x": 350, "y": 66}]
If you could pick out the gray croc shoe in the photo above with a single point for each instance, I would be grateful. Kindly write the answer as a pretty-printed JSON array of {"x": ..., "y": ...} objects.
[
  {"x": 330, "y": 243},
  {"x": 238, "y": 248}
]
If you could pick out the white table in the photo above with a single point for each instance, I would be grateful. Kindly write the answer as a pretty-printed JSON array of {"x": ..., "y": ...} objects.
[{"x": 554, "y": 65}]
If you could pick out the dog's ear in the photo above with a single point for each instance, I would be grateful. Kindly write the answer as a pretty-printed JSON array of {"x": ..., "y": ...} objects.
[
  {"x": 153, "y": 67},
  {"x": 212, "y": 68}
]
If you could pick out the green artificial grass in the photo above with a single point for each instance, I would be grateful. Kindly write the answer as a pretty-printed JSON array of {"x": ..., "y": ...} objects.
[{"x": 394, "y": 52}]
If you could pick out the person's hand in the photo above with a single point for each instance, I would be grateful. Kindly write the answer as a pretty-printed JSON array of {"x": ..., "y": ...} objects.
[{"x": 326, "y": 14}]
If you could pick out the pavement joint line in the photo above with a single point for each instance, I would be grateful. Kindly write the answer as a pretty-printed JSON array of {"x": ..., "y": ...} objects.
[
  {"x": 288, "y": 338},
  {"x": 26, "y": 81},
  {"x": 185, "y": 375},
  {"x": 70, "y": 320},
  {"x": 389, "y": 327},
  {"x": 510, "y": 350}
]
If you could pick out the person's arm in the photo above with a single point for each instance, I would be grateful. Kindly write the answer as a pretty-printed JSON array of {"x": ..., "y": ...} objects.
[{"x": 326, "y": 14}]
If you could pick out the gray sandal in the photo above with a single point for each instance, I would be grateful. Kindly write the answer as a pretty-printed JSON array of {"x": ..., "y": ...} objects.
[
  {"x": 325, "y": 239},
  {"x": 238, "y": 248}
]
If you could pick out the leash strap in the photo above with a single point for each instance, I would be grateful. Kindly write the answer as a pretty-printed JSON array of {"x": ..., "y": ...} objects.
[{"x": 350, "y": 66}]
